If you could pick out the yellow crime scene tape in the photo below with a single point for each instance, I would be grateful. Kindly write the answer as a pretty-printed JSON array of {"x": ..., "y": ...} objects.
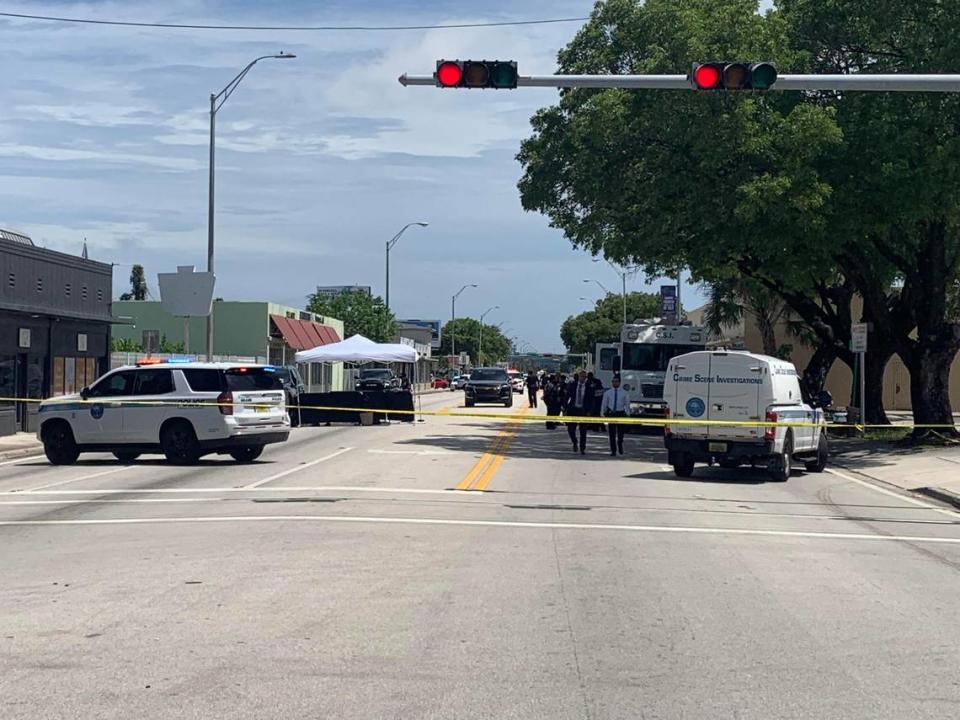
[{"x": 446, "y": 413}]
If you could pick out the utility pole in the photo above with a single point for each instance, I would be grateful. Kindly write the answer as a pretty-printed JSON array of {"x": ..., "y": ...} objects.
[{"x": 390, "y": 243}]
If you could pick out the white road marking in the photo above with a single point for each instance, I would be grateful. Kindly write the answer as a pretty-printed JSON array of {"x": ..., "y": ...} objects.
[
  {"x": 410, "y": 452},
  {"x": 78, "y": 479},
  {"x": 298, "y": 468},
  {"x": 492, "y": 523},
  {"x": 22, "y": 459},
  {"x": 284, "y": 488},
  {"x": 891, "y": 493}
]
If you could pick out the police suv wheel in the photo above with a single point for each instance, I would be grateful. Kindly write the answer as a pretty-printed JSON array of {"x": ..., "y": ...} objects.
[
  {"x": 179, "y": 443},
  {"x": 247, "y": 454},
  {"x": 59, "y": 445}
]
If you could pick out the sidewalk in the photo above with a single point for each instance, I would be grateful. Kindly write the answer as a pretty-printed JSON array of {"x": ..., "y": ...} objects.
[
  {"x": 19, "y": 445},
  {"x": 931, "y": 471}
]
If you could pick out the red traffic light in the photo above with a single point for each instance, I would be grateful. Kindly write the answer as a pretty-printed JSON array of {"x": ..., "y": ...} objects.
[
  {"x": 706, "y": 77},
  {"x": 449, "y": 73},
  {"x": 497, "y": 74}
]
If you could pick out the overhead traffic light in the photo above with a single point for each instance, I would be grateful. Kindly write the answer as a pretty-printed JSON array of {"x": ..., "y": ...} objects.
[
  {"x": 498, "y": 74},
  {"x": 733, "y": 76}
]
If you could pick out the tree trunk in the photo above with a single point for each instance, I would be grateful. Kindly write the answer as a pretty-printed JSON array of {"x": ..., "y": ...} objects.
[
  {"x": 930, "y": 390},
  {"x": 815, "y": 373},
  {"x": 876, "y": 363},
  {"x": 767, "y": 332}
]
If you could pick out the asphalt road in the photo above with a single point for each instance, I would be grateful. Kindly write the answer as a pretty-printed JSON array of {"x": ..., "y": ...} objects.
[{"x": 344, "y": 575}]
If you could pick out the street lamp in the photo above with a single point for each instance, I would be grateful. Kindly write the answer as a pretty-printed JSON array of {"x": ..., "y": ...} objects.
[
  {"x": 216, "y": 102},
  {"x": 390, "y": 243},
  {"x": 600, "y": 284},
  {"x": 623, "y": 272},
  {"x": 453, "y": 316},
  {"x": 482, "y": 316}
]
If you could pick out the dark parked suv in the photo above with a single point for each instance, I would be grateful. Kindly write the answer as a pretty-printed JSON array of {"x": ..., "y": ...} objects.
[
  {"x": 377, "y": 379},
  {"x": 488, "y": 385}
]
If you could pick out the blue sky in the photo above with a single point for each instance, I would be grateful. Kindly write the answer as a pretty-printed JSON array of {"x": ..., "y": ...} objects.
[{"x": 104, "y": 135}]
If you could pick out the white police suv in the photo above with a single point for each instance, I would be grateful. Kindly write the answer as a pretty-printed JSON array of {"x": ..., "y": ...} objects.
[{"x": 182, "y": 409}]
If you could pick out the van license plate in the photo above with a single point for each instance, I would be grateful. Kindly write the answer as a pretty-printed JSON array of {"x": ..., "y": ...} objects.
[{"x": 717, "y": 447}]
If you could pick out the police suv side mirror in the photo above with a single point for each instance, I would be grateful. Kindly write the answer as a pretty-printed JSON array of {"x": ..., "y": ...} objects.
[{"x": 85, "y": 393}]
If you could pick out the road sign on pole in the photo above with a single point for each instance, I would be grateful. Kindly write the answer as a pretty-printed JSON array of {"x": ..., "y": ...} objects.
[{"x": 858, "y": 337}]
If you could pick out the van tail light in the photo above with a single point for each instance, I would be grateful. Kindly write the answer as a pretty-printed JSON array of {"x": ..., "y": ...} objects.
[
  {"x": 225, "y": 403},
  {"x": 770, "y": 431},
  {"x": 666, "y": 425}
]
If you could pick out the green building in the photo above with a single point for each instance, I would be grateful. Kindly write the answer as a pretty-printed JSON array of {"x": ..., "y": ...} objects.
[{"x": 258, "y": 331}]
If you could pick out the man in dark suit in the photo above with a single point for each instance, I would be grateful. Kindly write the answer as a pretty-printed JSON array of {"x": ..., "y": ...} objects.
[{"x": 580, "y": 401}]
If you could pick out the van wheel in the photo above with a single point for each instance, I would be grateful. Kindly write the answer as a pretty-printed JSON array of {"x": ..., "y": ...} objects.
[
  {"x": 781, "y": 472},
  {"x": 683, "y": 467},
  {"x": 179, "y": 443},
  {"x": 247, "y": 454},
  {"x": 59, "y": 445},
  {"x": 823, "y": 452},
  {"x": 126, "y": 457}
]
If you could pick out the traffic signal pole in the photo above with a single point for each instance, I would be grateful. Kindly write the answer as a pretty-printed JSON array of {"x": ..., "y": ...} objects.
[{"x": 856, "y": 82}]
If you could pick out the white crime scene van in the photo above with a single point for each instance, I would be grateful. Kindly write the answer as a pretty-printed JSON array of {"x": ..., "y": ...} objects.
[
  {"x": 734, "y": 389},
  {"x": 183, "y": 409}
]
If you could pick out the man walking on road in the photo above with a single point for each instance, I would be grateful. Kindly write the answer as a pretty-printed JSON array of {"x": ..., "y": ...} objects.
[
  {"x": 579, "y": 403},
  {"x": 532, "y": 384},
  {"x": 615, "y": 405}
]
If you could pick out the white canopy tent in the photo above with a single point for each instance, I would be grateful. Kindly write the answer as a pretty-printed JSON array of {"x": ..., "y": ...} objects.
[{"x": 358, "y": 349}]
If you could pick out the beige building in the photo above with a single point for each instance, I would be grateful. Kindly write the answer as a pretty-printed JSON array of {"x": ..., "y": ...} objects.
[{"x": 896, "y": 378}]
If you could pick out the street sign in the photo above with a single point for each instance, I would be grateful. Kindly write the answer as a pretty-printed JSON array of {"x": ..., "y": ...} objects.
[
  {"x": 858, "y": 338},
  {"x": 668, "y": 303}
]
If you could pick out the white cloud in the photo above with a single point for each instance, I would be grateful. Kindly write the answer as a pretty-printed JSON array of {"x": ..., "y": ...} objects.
[{"x": 60, "y": 154}]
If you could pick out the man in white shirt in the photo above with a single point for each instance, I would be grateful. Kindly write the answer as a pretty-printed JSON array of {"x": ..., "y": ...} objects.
[{"x": 615, "y": 404}]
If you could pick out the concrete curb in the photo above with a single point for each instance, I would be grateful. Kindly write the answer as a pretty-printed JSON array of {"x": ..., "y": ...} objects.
[
  {"x": 21, "y": 452},
  {"x": 944, "y": 496}
]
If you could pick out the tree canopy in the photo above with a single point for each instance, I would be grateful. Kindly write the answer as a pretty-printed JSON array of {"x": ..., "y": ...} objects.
[
  {"x": 816, "y": 197},
  {"x": 581, "y": 333},
  {"x": 138, "y": 285},
  {"x": 496, "y": 347},
  {"x": 361, "y": 314}
]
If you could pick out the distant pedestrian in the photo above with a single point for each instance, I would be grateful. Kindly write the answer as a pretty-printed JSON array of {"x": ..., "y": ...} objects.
[
  {"x": 533, "y": 384},
  {"x": 596, "y": 388},
  {"x": 614, "y": 404},
  {"x": 579, "y": 404}
]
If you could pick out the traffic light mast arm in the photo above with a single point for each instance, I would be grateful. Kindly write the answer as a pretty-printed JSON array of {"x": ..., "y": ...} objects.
[{"x": 856, "y": 82}]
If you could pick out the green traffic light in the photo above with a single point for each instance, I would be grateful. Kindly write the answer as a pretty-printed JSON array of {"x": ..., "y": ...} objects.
[
  {"x": 762, "y": 76},
  {"x": 503, "y": 75}
]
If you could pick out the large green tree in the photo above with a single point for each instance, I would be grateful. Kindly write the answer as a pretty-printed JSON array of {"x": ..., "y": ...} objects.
[
  {"x": 581, "y": 333},
  {"x": 768, "y": 187},
  {"x": 361, "y": 314},
  {"x": 496, "y": 347}
]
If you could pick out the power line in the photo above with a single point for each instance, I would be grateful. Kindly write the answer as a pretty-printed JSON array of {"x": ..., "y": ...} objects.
[{"x": 186, "y": 26}]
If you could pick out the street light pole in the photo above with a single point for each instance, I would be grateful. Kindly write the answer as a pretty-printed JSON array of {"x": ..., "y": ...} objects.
[
  {"x": 216, "y": 102},
  {"x": 453, "y": 316},
  {"x": 482, "y": 316},
  {"x": 390, "y": 243}
]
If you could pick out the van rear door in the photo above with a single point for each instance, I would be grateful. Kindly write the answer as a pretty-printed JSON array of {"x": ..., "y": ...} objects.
[
  {"x": 735, "y": 383},
  {"x": 689, "y": 387}
]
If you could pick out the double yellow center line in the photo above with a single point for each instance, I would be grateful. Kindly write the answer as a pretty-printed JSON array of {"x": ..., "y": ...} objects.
[{"x": 486, "y": 467}]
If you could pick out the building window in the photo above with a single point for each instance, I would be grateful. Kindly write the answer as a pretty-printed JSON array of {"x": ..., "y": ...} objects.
[
  {"x": 306, "y": 316},
  {"x": 292, "y": 316},
  {"x": 83, "y": 292},
  {"x": 72, "y": 374},
  {"x": 99, "y": 294},
  {"x": 39, "y": 284},
  {"x": 66, "y": 289},
  {"x": 12, "y": 280}
]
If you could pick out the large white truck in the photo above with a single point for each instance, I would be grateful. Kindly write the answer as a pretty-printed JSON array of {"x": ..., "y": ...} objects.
[
  {"x": 641, "y": 359},
  {"x": 752, "y": 412}
]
